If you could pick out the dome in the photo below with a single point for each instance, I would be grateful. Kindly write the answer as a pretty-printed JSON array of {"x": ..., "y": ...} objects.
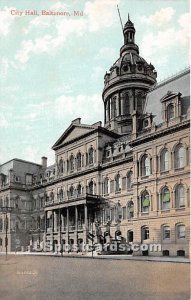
[
  {"x": 130, "y": 63},
  {"x": 126, "y": 84}
]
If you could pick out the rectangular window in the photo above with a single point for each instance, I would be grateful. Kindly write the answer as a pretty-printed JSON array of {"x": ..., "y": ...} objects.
[{"x": 29, "y": 178}]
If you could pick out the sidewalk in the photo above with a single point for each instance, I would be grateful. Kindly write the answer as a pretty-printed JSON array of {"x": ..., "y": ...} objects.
[{"x": 111, "y": 257}]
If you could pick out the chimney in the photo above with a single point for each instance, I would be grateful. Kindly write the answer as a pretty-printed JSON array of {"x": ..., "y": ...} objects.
[
  {"x": 76, "y": 121},
  {"x": 44, "y": 162}
]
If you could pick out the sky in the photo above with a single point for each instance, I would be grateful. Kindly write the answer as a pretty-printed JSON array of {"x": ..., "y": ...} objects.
[{"x": 52, "y": 67}]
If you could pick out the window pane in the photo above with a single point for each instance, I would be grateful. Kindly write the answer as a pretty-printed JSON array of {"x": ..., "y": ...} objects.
[
  {"x": 179, "y": 157},
  {"x": 166, "y": 232},
  {"x": 180, "y": 196},
  {"x": 181, "y": 231}
]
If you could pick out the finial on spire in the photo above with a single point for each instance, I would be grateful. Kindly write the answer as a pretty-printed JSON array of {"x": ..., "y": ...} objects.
[{"x": 128, "y": 17}]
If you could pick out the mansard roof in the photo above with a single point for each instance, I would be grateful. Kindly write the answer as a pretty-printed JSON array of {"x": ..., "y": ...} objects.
[
  {"x": 179, "y": 83},
  {"x": 77, "y": 131}
]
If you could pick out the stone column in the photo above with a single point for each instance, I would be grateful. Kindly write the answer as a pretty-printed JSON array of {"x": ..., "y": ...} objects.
[
  {"x": 172, "y": 161},
  {"x": 86, "y": 221},
  {"x": 55, "y": 221},
  {"x": 122, "y": 105},
  {"x": 159, "y": 202},
  {"x": 62, "y": 221},
  {"x": 134, "y": 130},
  {"x": 119, "y": 104},
  {"x": 67, "y": 225},
  {"x": 76, "y": 217},
  {"x": 172, "y": 199},
  {"x": 52, "y": 230}
]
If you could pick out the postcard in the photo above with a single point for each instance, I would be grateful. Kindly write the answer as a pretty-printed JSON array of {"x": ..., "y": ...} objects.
[{"x": 94, "y": 153}]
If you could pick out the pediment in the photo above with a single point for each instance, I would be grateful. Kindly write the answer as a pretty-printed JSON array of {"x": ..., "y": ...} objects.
[
  {"x": 170, "y": 95},
  {"x": 73, "y": 132}
]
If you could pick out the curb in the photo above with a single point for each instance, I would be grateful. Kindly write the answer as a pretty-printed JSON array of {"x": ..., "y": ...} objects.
[{"x": 110, "y": 257}]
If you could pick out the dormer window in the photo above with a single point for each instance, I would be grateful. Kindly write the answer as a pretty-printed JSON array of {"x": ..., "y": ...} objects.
[
  {"x": 107, "y": 153},
  {"x": 170, "y": 111},
  {"x": 171, "y": 105},
  {"x": 146, "y": 123}
]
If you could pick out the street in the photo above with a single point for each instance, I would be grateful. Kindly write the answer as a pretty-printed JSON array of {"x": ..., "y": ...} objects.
[{"x": 56, "y": 278}]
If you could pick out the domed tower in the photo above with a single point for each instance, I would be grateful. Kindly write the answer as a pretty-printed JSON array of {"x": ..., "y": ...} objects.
[{"x": 126, "y": 84}]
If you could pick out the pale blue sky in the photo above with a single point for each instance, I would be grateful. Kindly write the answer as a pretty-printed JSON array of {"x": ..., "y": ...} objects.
[{"x": 52, "y": 67}]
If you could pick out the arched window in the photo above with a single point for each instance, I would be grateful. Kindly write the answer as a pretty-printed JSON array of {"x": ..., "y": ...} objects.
[
  {"x": 139, "y": 103},
  {"x": 129, "y": 179},
  {"x": 1, "y": 242},
  {"x": 1, "y": 224},
  {"x": 52, "y": 196},
  {"x": 117, "y": 183},
  {"x": 181, "y": 231},
  {"x": 180, "y": 253},
  {"x": 71, "y": 191},
  {"x": 118, "y": 211},
  {"x": 170, "y": 111},
  {"x": 145, "y": 202},
  {"x": 61, "y": 166},
  {"x": 79, "y": 161},
  {"x": 79, "y": 190},
  {"x": 165, "y": 198},
  {"x": 6, "y": 202},
  {"x": 61, "y": 194},
  {"x": 130, "y": 209},
  {"x": 180, "y": 196},
  {"x": 165, "y": 253},
  {"x": 145, "y": 166},
  {"x": 91, "y": 188},
  {"x": 179, "y": 157},
  {"x": 124, "y": 212},
  {"x": 106, "y": 186},
  {"x": 71, "y": 162},
  {"x": 166, "y": 232},
  {"x": 113, "y": 107},
  {"x": 91, "y": 156},
  {"x": 145, "y": 233},
  {"x": 164, "y": 160},
  {"x": 130, "y": 236},
  {"x": 126, "y": 104}
]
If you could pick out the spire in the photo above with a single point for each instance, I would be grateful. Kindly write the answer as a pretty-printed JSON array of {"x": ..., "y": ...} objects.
[
  {"x": 129, "y": 37},
  {"x": 129, "y": 31}
]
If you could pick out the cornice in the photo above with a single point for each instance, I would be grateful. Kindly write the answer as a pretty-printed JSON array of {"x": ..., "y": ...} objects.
[{"x": 157, "y": 134}]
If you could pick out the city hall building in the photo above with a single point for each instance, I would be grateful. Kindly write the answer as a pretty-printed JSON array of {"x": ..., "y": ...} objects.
[{"x": 126, "y": 181}]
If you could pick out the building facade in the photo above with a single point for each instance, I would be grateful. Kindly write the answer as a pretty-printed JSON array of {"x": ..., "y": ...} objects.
[{"x": 126, "y": 181}]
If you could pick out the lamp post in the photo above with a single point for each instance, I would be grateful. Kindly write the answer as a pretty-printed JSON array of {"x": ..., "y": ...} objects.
[{"x": 5, "y": 210}]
